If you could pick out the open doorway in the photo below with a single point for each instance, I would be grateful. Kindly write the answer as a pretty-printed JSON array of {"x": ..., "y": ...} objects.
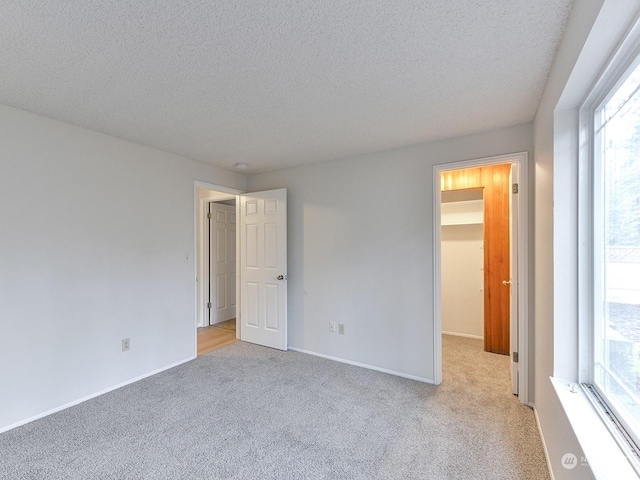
[
  {"x": 216, "y": 268},
  {"x": 480, "y": 264},
  {"x": 241, "y": 261}
]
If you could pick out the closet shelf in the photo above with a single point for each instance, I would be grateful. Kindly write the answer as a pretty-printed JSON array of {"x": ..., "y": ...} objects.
[{"x": 462, "y": 213}]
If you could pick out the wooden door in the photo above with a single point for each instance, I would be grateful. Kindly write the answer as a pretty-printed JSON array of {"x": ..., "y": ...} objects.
[
  {"x": 495, "y": 182},
  {"x": 497, "y": 311}
]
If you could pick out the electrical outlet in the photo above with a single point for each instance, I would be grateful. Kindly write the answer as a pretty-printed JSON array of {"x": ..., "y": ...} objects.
[
  {"x": 332, "y": 326},
  {"x": 126, "y": 344},
  {"x": 341, "y": 328}
]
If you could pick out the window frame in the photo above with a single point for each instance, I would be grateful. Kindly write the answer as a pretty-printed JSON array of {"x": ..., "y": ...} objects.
[{"x": 619, "y": 67}]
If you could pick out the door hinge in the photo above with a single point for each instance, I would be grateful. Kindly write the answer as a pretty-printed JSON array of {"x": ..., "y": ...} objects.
[
  {"x": 514, "y": 188},
  {"x": 515, "y": 357},
  {"x": 208, "y": 304},
  {"x": 209, "y": 215}
]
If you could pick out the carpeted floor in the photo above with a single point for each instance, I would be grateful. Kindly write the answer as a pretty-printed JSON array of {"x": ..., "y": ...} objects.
[{"x": 248, "y": 412}]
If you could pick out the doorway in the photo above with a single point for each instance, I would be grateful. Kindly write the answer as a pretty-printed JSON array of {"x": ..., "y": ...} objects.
[
  {"x": 216, "y": 267},
  {"x": 241, "y": 261},
  {"x": 480, "y": 220}
]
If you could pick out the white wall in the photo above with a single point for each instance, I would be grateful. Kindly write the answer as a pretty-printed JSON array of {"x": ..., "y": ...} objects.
[
  {"x": 553, "y": 183},
  {"x": 95, "y": 256},
  {"x": 595, "y": 29},
  {"x": 462, "y": 258},
  {"x": 363, "y": 258}
]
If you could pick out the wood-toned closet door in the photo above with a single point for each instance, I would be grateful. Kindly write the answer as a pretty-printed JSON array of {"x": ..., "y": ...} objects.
[{"x": 497, "y": 261}]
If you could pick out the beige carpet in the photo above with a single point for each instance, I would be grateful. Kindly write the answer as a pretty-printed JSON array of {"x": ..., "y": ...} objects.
[
  {"x": 253, "y": 413},
  {"x": 477, "y": 389}
]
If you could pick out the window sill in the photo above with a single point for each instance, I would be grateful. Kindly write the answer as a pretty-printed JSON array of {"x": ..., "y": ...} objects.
[{"x": 603, "y": 455}]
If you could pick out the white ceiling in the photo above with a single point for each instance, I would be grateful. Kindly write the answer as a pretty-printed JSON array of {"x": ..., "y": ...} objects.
[{"x": 279, "y": 83}]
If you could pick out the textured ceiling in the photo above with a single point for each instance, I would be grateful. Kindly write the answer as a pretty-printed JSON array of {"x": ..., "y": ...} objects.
[{"x": 279, "y": 83}]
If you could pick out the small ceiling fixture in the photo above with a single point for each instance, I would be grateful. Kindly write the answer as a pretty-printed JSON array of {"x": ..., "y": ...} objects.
[{"x": 242, "y": 165}]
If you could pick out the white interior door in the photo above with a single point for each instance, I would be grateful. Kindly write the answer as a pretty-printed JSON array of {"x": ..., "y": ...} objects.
[
  {"x": 263, "y": 268},
  {"x": 514, "y": 180},
  {"x": 222, "y": 263}
]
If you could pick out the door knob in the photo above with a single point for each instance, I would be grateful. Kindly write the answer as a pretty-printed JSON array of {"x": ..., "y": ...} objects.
[
  {"x": 506, "y": 282},
  {"x": 281, "y": 277}
]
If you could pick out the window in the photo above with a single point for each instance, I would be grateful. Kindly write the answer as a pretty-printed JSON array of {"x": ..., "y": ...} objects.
[{"x": 615, "y": 249}]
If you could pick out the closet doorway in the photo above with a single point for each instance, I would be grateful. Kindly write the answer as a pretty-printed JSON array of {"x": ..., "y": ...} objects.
[
  {"x": 492, "y": 182},
  {"x": 480, "y": 259}
]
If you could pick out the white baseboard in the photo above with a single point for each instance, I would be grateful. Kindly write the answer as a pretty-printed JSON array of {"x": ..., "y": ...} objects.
[
  {"x": 93, "y": 395},
  {"x": 466, "y": 335},
  {"x": 363, "y": 365},
  {"x": 544, "y": 444}
]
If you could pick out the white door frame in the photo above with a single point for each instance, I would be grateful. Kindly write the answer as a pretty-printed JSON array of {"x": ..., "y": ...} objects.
[
  {"x": 520, "y": 158},
  {"x": 199, "y": 258}
]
